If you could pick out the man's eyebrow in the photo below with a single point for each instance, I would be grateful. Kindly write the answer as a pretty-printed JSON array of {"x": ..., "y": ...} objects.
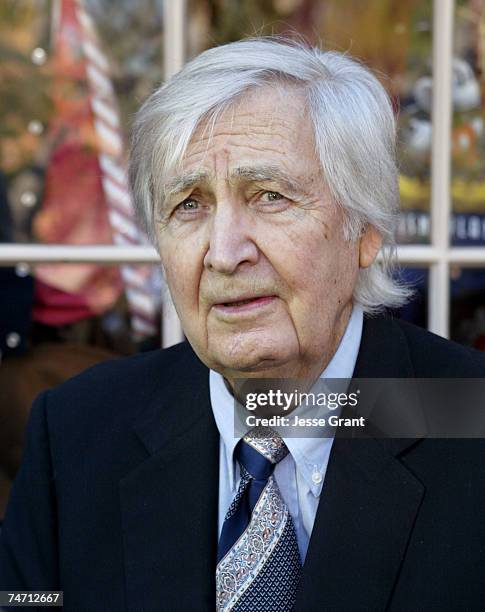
[
  {"x": 181, "y": 183},
  {"x": 184, "y": 182},
  {"x": 267, "y": 173}
]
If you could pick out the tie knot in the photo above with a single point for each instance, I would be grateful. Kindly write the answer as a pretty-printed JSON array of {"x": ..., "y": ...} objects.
[
  {"x": 259, "y": 451},
  {"x": 267, "y": 442}
]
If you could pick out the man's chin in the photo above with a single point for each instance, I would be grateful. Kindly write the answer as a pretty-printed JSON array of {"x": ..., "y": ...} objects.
[
  {"x": 248, "y": 366},
  {"x": 249, "y": 354}
]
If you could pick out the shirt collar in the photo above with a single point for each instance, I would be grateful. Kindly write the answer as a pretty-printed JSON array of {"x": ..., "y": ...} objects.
[{"x": 309, "y": 454}]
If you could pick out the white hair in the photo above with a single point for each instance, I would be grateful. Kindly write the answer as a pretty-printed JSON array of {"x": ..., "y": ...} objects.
[{"x": 354, "y": 130}]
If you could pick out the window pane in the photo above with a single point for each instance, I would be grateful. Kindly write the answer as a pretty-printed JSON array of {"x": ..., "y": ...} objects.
[
  {"x": 468, "y": 134},
  {"x": 467, "y": 321},
  {"x": 113, "y": 308},
  {"x": 392, "y": 36},
  {"x": 70, "y": 80}
]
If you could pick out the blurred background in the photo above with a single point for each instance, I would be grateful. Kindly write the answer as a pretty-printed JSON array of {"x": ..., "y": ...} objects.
[{"x": 72, "y": 74}]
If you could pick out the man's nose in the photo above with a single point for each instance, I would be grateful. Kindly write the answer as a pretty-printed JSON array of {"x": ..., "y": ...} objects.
[{"x": 230, "y": 242}]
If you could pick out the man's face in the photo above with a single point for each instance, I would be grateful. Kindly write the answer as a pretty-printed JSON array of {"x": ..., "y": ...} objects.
[{"x": 252, "y": 244}]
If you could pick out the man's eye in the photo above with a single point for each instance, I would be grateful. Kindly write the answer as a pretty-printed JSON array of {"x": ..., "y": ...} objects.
[
  {"x": 188, "y": 205},
  {"x": 271, "y": 196}
]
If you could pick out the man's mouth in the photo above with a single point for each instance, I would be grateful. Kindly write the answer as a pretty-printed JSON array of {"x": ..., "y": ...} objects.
[
  {"x": 244, "y": 303},
  {"x": 241, "y": 302}
]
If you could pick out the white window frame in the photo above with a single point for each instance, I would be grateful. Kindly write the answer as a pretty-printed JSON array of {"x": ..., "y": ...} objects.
[{"x": 438, "y": 256}]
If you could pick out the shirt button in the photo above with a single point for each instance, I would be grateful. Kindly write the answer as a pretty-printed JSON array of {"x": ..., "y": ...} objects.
[{"x": 316, "y": 478}]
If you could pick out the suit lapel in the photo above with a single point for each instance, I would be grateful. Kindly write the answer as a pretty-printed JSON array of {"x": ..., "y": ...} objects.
[
  {"x": 169, "y": 502},
  {"x": 365, "y": 516},
  {"x": 369, "y": 501}
]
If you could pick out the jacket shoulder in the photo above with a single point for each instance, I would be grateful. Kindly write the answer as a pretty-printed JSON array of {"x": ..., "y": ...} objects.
[{"x": 127, "y": 383}]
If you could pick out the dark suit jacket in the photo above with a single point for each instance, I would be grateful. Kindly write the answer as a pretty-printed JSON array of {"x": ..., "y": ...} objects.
[{"x": 116, "y": 500}]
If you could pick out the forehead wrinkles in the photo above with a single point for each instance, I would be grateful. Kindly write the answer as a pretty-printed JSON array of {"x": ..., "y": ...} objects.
[
  {"x": 269, "y": 111},
  {"x": 248, "y": 130},
  {"x": 240, "y": 134}
]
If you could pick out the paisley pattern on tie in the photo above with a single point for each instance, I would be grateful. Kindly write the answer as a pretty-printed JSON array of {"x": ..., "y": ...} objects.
[{"x": 261, "y": 570}]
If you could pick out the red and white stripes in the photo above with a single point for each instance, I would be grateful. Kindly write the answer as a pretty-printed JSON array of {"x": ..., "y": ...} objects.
[{"x": 142, "y": 283}]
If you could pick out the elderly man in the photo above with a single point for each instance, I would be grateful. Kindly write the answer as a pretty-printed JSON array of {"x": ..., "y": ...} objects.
[{"x": 264, "y": 172}]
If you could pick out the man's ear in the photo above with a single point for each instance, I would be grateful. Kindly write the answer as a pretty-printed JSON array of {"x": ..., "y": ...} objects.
[{"x": 370, "y": 243}]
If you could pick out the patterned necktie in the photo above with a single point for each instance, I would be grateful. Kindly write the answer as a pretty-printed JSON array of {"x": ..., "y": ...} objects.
[{"x": 258, "y": 563}]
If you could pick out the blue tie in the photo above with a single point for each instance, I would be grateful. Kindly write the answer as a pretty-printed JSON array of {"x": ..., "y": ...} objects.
[{"x": 259, "y": 563}]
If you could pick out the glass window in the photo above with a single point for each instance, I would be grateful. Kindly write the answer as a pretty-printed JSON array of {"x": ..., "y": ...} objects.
[
  {"x": 111, "y": 308},
  {"x": 468, "y": 133},
  {"x": 467, "y": 312},
  {"x": 72, "y": 75}
]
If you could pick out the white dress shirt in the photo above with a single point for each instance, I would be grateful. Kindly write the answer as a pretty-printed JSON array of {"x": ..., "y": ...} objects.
[{"x": 300, "y": 475}]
